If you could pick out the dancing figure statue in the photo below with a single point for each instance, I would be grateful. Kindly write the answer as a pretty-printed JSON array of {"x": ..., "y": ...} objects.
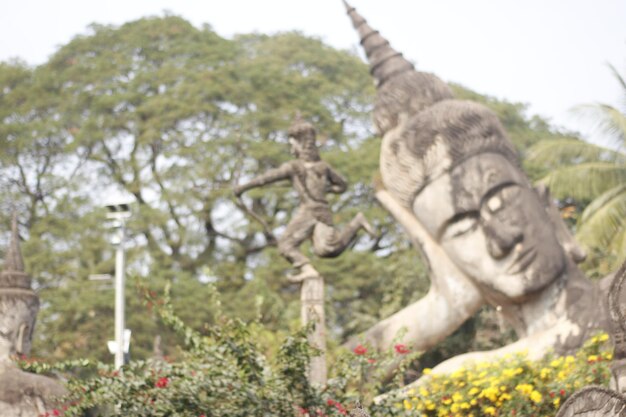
[{"x": 312, "y": 178}]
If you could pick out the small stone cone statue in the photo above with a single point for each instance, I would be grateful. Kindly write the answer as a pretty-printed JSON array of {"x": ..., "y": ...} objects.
[{"x": 21, "y": 394}]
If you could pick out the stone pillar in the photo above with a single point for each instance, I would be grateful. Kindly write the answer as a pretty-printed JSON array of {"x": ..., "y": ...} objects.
[{"x": 312, "y": 310}]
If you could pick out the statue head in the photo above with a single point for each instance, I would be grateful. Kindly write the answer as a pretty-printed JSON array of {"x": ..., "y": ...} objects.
[
  {"x": 450, "y": 162},
  {"x": 18, "y": 302},
  {"x": 302, "y": 140}
]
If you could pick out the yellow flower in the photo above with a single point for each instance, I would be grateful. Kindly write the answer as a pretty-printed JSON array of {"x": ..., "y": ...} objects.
[
  {"x": 569, "y": 359},
  {"x": 491, "y": 411},
  {"x": 505, "y": 397},
  {"x": 430, "y": 405},
  {"x": 491, "y": 393},
  {"x": 465, "y": 406},
  {"x": 474, "y": 391},
  {"x": 556, "y": 402},
  {"x": 455, "y": 408},
  {"x": 608, "y": 356},
  {"x": 592, "y": 358},
  {"x": 473, "y": 401},
  {"x": 426, "y": 371},
  {"x": 525, "y": 389},
  {"x": 408, "y": 405},
  {"x": 603, "y": 337},
  {"x": 536, "y": 397},
  {"x": 557, "y": 362},
  {"x": 544, "y": 373}
]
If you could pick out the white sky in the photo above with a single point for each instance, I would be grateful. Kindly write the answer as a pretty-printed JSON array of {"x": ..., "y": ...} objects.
[{"x": 551, "y": 54}]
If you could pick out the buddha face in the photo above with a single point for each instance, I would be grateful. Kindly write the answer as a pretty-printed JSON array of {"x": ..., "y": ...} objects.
[
  {"x": 16, "y": 324},
  {"x": 493, "y": 226}
]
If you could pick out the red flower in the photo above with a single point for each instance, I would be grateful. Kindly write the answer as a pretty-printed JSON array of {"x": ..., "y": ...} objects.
[
  {"x": 162, "y": 382},
  {"x": 552, "y": 394},
  {"x": 56, "y": 412},
  {"x": 371, "y": 360},
  {"x": 562, "y": 393},
  {"x": 360, "y": 350},
  {"x": 401, "y": 349}
]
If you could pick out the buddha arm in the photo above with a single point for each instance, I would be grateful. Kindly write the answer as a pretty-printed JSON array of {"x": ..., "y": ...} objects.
[{"x": 451, "y": 300}]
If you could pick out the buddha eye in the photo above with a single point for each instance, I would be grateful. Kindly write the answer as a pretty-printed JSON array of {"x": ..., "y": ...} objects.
[
  {"x": 494, "y": 203},
  {"x": 460, "y": 226}
]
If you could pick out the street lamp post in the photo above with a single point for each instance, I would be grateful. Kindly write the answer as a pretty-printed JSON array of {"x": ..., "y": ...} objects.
[{"x": 118, "y": 215}]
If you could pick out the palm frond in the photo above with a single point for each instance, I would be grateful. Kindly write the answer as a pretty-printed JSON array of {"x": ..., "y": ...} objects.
[
  {"x": 619, "y": 78},
  {"x": 606, "y": 119},
  {"x": 601, "y": 201},
  {"x": 585, "y": 181},
  {"x": 568, "y": 151},
  {"x": 606, "y": 226}
]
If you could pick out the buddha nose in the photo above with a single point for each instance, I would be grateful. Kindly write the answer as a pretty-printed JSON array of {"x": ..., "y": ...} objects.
[{"x": 501, "y": 237}]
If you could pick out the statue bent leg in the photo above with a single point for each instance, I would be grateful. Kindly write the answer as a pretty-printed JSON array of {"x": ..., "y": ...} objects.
[
  {"x": 299, "y": 229},
  {"x": 329, "y": 242}
]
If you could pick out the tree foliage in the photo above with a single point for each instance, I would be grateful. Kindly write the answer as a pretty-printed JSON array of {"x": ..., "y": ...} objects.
[{"x": 594, "y": 177}]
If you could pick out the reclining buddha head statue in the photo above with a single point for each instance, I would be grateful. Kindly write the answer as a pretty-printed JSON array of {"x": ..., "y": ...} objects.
[{"x": 451, "y": 164}]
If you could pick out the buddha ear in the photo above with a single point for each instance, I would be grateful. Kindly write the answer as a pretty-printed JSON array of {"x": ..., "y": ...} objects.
[
  {"x": 22, "y": 334},
  {"x": 573, "y": 250}
]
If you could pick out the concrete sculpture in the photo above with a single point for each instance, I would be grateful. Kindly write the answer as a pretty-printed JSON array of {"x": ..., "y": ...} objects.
[
  {"x": 597, "y": 401},
  {"x": 21, "y": 394},
  {"x": 312, "y": 178},
  {"x": 452, "y": 178}
]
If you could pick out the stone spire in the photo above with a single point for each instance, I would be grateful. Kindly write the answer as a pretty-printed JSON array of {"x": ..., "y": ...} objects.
[
  {"x": 13, "y": 275},
  {"x": 400, "y": 89},
  {"x": 385, "y": 62}
]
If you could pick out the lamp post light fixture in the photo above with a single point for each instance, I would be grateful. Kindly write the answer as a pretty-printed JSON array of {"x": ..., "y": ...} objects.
[{"x": 118, "y": 214}]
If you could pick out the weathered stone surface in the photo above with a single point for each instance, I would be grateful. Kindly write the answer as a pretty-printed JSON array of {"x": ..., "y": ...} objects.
[
  {"x": 312, "y": 178},
  {"x": 594, "y": 402},
  {"x": 26, "y": 395},
  {"x": 452, "y": 178},
  {"x": 21, "y": 394}
]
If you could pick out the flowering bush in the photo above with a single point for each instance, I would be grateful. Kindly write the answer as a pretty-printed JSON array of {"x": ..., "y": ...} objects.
[
  {"x": 225, "y": 373},
  {"x": 513, "y": 386}
]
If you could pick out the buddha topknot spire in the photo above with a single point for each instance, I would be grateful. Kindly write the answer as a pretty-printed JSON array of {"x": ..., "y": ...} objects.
[
  {"x": 385, "y": 62},
  {"x": 14, "y": 261},
  {"x": 13, "y": 275}
]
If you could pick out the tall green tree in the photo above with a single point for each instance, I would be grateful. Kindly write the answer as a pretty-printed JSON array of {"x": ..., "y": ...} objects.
[{"x": 595, "y": 178}]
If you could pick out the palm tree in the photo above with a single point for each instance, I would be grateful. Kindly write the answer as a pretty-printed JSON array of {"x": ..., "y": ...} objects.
[{"x": 595, "y": 178}]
